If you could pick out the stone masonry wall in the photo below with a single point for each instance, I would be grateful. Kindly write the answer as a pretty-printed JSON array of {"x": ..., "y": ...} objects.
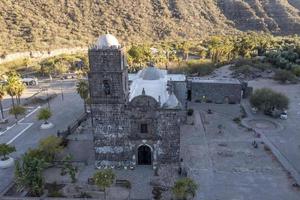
[{"x": 216, "y": 92}]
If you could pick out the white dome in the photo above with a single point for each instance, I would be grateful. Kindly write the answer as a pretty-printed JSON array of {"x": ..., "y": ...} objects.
[
  {"x": 107, "y": 41},
  {"x": 151, "y": 73}
]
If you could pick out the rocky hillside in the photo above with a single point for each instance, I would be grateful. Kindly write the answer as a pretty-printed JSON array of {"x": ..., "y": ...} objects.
[{"x": 48, "y": 24}]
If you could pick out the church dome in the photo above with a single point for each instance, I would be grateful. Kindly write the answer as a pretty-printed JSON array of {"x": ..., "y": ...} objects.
[
  {"x": 151, "y": 73},
  {"x": 172, "y": 102},
  {"x": 107, "y": 41}
]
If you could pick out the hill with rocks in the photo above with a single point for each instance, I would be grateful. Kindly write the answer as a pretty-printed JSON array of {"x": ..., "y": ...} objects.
[{"x": 50, "y": 24}]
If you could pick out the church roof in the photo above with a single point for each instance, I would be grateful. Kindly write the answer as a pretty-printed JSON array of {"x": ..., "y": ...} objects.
[
  {"x": 107, "y": 41},
  {"x": 172, "y": 102},
  {"x": 154, "y": 83},
  {"x": 151, "y": 73}
]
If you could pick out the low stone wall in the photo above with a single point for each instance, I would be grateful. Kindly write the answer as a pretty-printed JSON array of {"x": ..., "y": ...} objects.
[
  {"x": 41, "y": 54},
  {"x": 215, "y": 92}
]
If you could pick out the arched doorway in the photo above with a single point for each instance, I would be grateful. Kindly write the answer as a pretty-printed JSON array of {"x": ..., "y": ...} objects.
[{"x": 144, "y": 155}]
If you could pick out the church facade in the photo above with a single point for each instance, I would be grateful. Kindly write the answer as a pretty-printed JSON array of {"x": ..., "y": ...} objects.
[{"x": 135, "y": 122}]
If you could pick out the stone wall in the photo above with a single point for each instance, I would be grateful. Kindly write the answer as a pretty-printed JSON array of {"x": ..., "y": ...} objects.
[
  {"x": 216, "y": 92},
  {"x": 108, "y": 65}
]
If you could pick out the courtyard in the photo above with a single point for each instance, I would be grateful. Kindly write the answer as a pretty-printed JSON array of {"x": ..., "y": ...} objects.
[{"x": 219, "y": 155}]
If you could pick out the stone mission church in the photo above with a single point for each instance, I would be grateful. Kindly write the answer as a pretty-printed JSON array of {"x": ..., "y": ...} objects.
[{"x": 136, "y": 121}]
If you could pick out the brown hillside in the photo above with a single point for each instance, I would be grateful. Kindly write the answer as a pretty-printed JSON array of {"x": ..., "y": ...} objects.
[{"x": 48, "y": 24}]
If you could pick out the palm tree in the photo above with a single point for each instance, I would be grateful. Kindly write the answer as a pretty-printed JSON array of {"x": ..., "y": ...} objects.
[
  {"x": 12, "y": 87},
  {"x": 82, "y": 88},
  {"x": 19, "y": 91},
  {"x": 2, "y": 94}
]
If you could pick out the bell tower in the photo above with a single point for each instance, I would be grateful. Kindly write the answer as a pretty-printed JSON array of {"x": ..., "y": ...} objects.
[
  {"x": 108, "y": 76},
  {"x": 109, "y": 90}
]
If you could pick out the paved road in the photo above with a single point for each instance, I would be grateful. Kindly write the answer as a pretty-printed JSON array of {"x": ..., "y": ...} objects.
[{"x": 27, "y": 133}]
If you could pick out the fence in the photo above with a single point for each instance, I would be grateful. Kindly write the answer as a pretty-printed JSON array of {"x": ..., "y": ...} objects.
[{"x": 73, "y": 126}]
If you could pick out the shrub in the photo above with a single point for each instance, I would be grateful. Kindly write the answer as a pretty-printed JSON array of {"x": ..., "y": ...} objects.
[
  {"x": 17, "y": 110},
  {"x": 28, "y": 174},
  {"x": 296, "y": 70},
  {"x": 50, "y": 146},
  {"x": 184, "y": 188},
  {"x": 284, "y": 76},
  {"x": 268, "y": 100},
  {"x": 54, "y": 189},
  {"x": 190, "y": 112},
  {"x": 104, "y": 178},
  {"x": 44, "y": 114},
  {"x": 237, "y": 120}
]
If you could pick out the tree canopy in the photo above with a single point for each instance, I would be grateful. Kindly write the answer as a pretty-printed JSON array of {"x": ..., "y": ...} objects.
[
  {"x": 104, "y": 178},
  {"x": 44, "y": 114},
  {"x": 267, "y": 100},
  {"x": 5, "y": 150}
]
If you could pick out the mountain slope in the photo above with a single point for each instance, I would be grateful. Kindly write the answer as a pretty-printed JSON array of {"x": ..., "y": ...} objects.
[{"x": 48, "y": 24}]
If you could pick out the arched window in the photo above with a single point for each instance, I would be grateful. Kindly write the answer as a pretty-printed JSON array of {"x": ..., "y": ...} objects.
[{"x": 106, "y": 87}]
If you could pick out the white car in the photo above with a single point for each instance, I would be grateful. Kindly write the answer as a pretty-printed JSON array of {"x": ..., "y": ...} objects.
[
  {"x": 283, "y": 116},
  {"x": 30, "y": 81},
  {"x": 254, "y": 110}
]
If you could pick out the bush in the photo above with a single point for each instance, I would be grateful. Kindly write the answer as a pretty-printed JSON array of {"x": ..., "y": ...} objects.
[
  {"x": 44, "y": 114},
  {"x": 237, "y": 120},
  {"x": 284, "y": 76},
  {"x": 17, "y": 110},
  {"x": 54, "y": 189},
  {"x": 268, "y": 100},
  {"x": 184, "y": 188},
  {"x": 104, "y": 178},
  {"x": 28, "y": 174},
  {"x": 296, "y": 70},
  {"x": 198, "y": 67},
  {"x": 50, "y": 146},
  {"x": 190, "y": 112}
]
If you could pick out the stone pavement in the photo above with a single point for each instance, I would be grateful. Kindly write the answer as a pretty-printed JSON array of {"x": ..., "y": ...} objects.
[{"x": 224, "y": 163}]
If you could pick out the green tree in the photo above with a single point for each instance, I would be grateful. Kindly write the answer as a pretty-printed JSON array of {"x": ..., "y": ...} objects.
[
  {"x": 2, "y": 94},
  {"x": 50, "y": 146},
  {"x": 17, "y": 110},
  {"x": 28, "y": 174},
  {"x": 13, "y": 86},
  {"x": 82, "y": 88},
  {"x": 268, "y": 100},
  {"x": 184, "y": 189},
  {"x": 44, "y": 114},
  {"x": 139, "y": 54},
  {"x": 19, "y": 91},
  {"x": 5, "y": 150},
  {"x": 185, "y": 48},
  {"x": 104, "y": 179}
]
